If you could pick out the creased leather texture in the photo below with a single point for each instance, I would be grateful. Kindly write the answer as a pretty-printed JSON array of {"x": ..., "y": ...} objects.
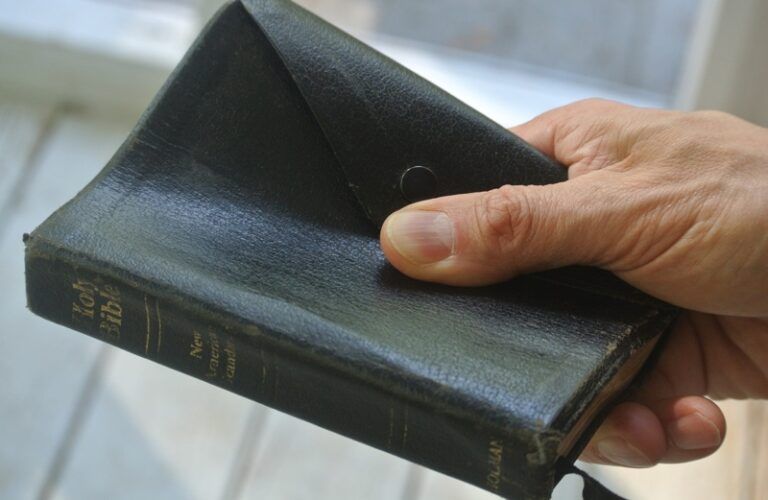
[
  {"x": 380, "y": 119},
  {"x": 244, "y": 207}
]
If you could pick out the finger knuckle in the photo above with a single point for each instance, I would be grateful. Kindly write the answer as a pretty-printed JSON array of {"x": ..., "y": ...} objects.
[
  {"x": 504, "y": 219},
  {"x": 712, "y": 116},
  {"x": 599, "y": 103}
]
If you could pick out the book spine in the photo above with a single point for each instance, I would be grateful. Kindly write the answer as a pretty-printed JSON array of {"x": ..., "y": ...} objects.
[{"x": 241, "y": 358}]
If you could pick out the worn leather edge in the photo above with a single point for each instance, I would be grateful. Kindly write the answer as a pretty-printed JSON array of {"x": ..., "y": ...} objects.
[
  {"x": 470, "y": 434},
  {"x": 541, "y": 443},
  {"x": 377, "y": 186},
  {"x": 36, "y": 243}
]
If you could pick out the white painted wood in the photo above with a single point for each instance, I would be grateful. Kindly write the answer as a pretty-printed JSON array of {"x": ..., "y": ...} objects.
[
  {"x": 727, "y": 67},
  {"x": 510, "y": 94},
  {"x": 754, "y": 479},
  {"x": 44, "y": 366},
  {"x": 111, "y": 58},
  {"x": 20, "y": 127},
  {"x": 156, "y": 32},
  {"x": 108, "y": 56},
  {"x": 154, "y": 433},
  {"x": 297, "y": 461},
  {"x": 206, "y": 9},
  {"x": 436, "y": 485},
  {"x": 56, "y": 73}
]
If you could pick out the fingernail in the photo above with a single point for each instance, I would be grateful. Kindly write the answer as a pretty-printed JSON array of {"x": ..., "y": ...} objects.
[
  {"x": 616, "y": 450},
  {"x": 694, "y": 432},
  {"x": 423, "y": 237}
]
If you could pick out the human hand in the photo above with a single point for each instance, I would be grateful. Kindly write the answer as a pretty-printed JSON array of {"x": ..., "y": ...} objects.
[{"x": 675, "y": 204}]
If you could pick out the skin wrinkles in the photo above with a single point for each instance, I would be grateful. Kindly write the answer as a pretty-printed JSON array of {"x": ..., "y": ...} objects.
[{"x": 676, "y": 204}]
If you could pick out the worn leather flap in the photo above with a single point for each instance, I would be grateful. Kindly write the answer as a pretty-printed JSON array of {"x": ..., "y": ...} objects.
[{"x": 381, "y": 119}]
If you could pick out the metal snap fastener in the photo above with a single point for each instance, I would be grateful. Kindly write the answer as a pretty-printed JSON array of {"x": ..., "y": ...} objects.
[{"x": 418, "y": 183}]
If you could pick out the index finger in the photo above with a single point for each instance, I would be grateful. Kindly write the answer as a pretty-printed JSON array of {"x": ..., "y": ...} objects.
[{"x": 570, "y": 134}]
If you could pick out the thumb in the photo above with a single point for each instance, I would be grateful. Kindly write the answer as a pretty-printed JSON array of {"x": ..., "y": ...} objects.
[{"x": 481, "y": 238}]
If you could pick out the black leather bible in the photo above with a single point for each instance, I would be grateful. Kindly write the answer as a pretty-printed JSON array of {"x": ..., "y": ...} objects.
[{"x": 233, "y": 237}]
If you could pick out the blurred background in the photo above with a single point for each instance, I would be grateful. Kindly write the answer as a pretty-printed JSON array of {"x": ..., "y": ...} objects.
[{"x": 80, "y": 420}]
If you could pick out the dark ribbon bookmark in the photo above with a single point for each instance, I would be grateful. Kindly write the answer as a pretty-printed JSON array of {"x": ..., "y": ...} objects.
[{"x": 593, "y": 490}]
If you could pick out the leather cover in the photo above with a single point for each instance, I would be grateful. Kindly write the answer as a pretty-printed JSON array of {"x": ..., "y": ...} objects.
[{"x": 233, "y": 237}]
